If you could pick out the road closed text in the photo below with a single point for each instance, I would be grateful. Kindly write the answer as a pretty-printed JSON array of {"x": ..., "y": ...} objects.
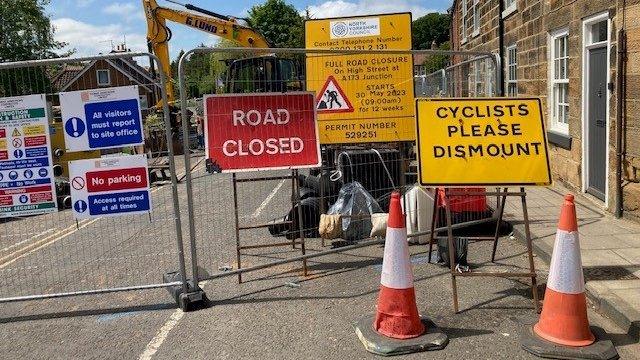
[
  {"x": 482, "y": 141},
  {"x": 261, "y": 132},
  {"x": 258, "y": 146}
]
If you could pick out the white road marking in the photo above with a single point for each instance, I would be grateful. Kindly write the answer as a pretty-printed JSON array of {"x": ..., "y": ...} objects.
[
  {"x": 268, "y": 199},
  {"x": 26, "y": 240},
  {"x": 41, "y": 244},
  {"x": 155, "y": 343},
  {"x": 162, "y": 334}
]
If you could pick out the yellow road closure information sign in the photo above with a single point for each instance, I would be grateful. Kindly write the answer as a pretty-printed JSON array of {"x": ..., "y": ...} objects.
[
  {"x": 498, "y": 141},
  {"x": 362, "y": 97}
]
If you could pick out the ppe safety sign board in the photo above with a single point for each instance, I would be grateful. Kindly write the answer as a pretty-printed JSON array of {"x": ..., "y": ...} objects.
[
  {"x": 362, "y": 97},
  {"x": 498, "y": 141},
  {"x": 101, "y": 118},
  {"x": 26, "y": 169},
  {"x": 261, "y": 131},
  {"x": 109, "y": 186}
]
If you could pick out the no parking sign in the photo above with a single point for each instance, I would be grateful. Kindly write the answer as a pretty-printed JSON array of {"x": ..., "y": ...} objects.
[
  {"x": 101, "y": 118},
  {"x": 109, "y": 186}
]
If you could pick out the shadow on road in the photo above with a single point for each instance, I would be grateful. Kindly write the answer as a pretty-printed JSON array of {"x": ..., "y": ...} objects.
[{"x": 91, "y": 312}]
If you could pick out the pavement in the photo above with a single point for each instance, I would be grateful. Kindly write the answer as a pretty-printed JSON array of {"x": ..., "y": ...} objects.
[{"x": 610, "y": 250}]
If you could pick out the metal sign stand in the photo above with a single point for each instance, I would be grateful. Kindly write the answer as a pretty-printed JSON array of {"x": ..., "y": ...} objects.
[
  {"x": 502, "y": 197},
  {"x": 295, "y": 201}
]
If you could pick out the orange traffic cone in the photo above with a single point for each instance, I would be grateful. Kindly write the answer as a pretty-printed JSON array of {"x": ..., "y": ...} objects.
[
  {"x": 397, "y": 327},
  {"x": 564, "y": 313},
  {"x": 397, "y": 316}
]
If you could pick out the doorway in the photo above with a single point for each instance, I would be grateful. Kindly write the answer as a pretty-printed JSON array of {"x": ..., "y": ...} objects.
[{"x": 596, "y": 105}]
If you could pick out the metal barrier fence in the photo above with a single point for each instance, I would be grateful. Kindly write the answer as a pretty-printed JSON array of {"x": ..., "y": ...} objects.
[
  {"x": 54, "y": 255},
  {"x": 460, "y": 78},
  {"x": 268, "y": 212}
]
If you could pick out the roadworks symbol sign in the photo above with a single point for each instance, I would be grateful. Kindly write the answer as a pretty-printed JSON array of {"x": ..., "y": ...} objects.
[{"x": 332, "y": 98}]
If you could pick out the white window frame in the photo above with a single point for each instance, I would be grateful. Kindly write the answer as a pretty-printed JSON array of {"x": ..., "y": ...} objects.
[
  {"x": 512, "y": 62},
  {"x": 108, "y": 77},
  {"x": 476, "y": 18},
  {"x": 587, "y": 44},
  {"x": 554, "y": 114},
  {"x": 510, "y": 6},
  {"x": 478, "y": 83},
  {"x": 464, "y": 21}
]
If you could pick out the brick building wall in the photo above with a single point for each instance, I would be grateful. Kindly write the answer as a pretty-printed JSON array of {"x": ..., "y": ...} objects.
[{"x": 529, "y": 26}]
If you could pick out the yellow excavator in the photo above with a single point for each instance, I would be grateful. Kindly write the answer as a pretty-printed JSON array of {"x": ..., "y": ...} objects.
[{"x": 266, "y": 73}]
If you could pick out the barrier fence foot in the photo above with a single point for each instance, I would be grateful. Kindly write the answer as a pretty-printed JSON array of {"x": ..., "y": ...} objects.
[
  {"x": 195, "y": 298},
  {"x": 432, "y": 339},
  {"x": 601, "y": 349}
]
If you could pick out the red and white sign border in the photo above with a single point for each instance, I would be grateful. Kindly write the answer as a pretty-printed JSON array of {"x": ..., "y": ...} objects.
[{"x": 315, "y": 124}]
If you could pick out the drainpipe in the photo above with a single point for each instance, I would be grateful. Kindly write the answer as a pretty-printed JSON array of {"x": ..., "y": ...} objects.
[
  {"x": 620, "y": 86},
  {"x": 501, "y": 46}
]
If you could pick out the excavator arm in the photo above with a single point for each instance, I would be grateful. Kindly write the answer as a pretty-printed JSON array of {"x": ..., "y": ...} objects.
[{"x": 159, "y": 35}]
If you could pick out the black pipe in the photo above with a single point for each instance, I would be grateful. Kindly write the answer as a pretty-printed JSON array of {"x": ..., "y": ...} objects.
[
  {"x": 501, "y": 46},
  {"x": 206, "y": 12},
  {"x": 620, "y": 86}
]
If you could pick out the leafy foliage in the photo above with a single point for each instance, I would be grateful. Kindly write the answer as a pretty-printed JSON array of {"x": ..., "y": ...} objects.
[
  {"x": 429, "y": 28},
  {"x": 436, "y": 62},
  {"x": 26, "y": 33},
  {"x": 279, "y": 22},
  {"x": 204, "y": 72}
]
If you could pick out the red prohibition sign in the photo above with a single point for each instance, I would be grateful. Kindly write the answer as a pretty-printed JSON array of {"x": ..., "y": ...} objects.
[
  {"x": 78, "y": 183},
  {"x": 17, "y": 143}
]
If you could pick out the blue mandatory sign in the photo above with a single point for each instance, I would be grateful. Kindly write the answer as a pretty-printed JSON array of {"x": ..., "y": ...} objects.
[
  {"x": 113, "y": 123},
  {"x": 42, "y": 172},
  {"x": 13, "y": 175},
  {"x": 80, "y": 206},
  {"x": 23, "y": 199},
  {"x": 1, "y": 176},
  {"x": 28, "y": 174},
  {"x": 18, "y": 153},
  {"x": 74, "y": 127},
  {"x": 119, "y": 203}
]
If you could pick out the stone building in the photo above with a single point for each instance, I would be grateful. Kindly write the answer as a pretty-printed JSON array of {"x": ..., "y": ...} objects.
[{"x": 567, "y": 52}]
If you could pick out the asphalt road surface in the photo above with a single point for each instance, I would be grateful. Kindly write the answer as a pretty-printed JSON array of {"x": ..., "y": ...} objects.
[{"x": 274, "y": 314}]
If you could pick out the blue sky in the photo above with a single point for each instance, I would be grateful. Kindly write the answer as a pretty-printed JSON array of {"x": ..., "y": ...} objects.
[{"x": 90, "y": 26}]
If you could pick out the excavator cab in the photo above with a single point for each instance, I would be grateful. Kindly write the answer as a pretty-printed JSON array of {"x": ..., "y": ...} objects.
[{"x": 263, "y": 74}]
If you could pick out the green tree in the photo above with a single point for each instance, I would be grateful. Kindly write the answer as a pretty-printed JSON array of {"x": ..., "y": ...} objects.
[
  {"x": 26, "y": 33},
  {"x": 429, "y": 28},
  {"x": 279, "y": 22},
  {"x": 436, "y": 62}
]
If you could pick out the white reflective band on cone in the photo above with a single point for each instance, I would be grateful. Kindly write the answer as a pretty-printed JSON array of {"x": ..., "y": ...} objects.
[
  {"x": 565, "y": 271},
  {"x": 396, "y": 266}
]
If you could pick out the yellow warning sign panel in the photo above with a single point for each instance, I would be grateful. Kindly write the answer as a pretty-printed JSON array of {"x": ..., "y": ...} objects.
[
  {"x": 362, "y": 97},
  {"x": 499, "y": 141},
  {"x": 33, "y": 130}
]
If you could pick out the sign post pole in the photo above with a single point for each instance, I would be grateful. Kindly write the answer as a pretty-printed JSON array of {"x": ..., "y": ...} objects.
[{"x": 452, "y": 245}]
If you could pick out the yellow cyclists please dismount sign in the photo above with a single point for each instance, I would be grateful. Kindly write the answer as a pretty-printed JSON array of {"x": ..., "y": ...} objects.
[
  {"x": 362, "y": 97},
  {"x": 497, "y": 141}
]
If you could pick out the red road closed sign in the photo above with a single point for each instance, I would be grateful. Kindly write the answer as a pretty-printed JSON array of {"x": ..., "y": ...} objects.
[{"x": 261, "y": 132}]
